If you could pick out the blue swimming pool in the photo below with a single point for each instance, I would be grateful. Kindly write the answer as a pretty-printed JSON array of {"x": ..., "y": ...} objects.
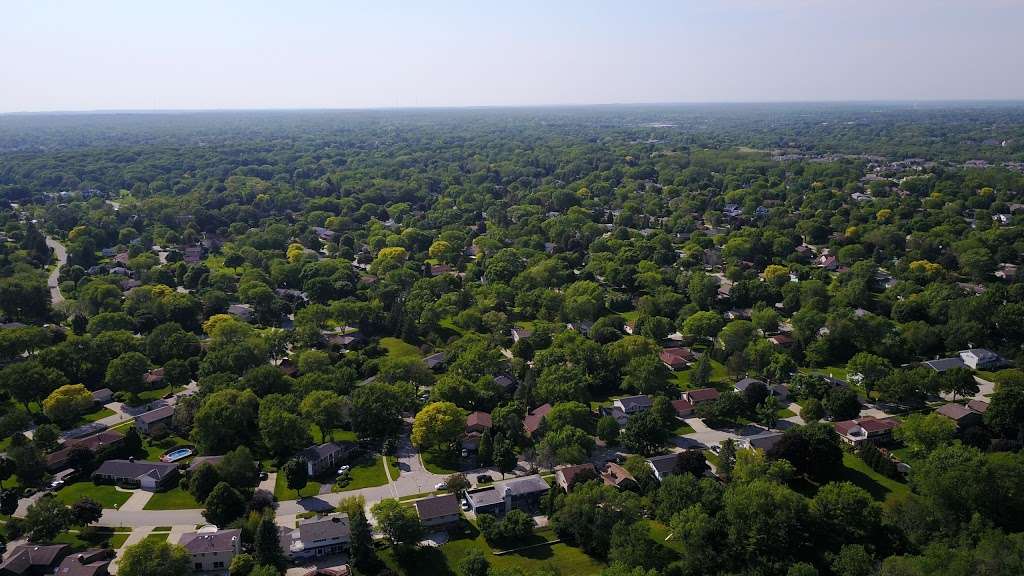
[{"x": 176, "y": 454}]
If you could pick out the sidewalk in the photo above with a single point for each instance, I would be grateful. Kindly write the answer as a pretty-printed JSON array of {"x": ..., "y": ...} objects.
[{"x": 137, "y": 501}]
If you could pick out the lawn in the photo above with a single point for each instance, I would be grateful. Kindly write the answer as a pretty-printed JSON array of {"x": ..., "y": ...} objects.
[
  {"x": 336, "y": 436},
  {"x": 719, "y": 377},
  {"x": 563, "y": 559},
  {"x": 660, "y": 532},
  {"x": 441, "y": 463},
  {"x": 367, "y": 472},
  {"x": 94, "y": 537},
  {"x": 683, "y": 429},
  {"x": 785, "y": 413},
  {"x": 100, "y": 414},
  {"x": 393, "y": 466},
  {"x": 106, "y": 495},
  {"x": 858, "y": 472},
  {"x": 175, "y": 499},
  {"x": 156, "y": 537},
  {"x": 283, "y": 492},
  {"x": 399, "y": 348}
]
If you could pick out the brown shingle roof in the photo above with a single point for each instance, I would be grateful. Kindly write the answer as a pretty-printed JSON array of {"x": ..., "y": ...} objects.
[{"x": 437, "y": 506}]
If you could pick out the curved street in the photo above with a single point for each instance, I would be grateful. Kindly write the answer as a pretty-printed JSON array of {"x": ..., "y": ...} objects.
[{"x": 53, "y": 281}]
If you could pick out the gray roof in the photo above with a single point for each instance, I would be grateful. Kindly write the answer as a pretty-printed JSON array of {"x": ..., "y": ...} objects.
[
  {"x": 746, "y": 382},
  {"x": 437, "y": 506},
  {"x": 324, "y": 451},
  {"x": 333, "y": 526},
  {"x": 664, "y": 464},
  {"x": 630, "y": 402},
  {"x": 204, "y": 542},
  {"x": 943, "y": 364},
  {"x": 137, "y": 469},
  {"x": 484, "y": 496},
  {"x": 526, "y": 485},
  {"x": 153, "y": 416}
]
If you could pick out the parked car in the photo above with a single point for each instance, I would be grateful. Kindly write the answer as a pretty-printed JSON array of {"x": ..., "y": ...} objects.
[
  {"x": 264, "y": 475},
  {"x": 482, "y": 478},
  {"x": 441, "y": 486},
  {"x": 465, "y": 453},
  {"x": 465, "y": 505},
  {"x": 344, "y": 469},
  {"x": 56, "y": 485}
]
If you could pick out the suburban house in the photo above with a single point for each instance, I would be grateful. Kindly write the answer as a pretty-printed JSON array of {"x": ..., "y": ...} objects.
[
  {"x": 324, "y": 458},
  {"x": 944, "y": 364},
  {"x": 95, "y": 443},
  {"x": 617, "y": 476},
  {"x": 866, "y": 430},
  {"x": 520, "y": 494},
  {"x": 506, "y": 382},
  {"x": 962, "y": 415},
  {"x": 742, "y": 385},
  {"x": 103, "y": 396},
  {"x": 94, "y": 562},
  {"x": 435, "y": 360},
  {"x": 664, "y": 466},
  {"x": 567, "y": 476},
  {"x": 200, "y": 460},
  {"x": 153, "y": 377},
  {"x": 781, "y": 341},
  {"x": 633, "y": 404},
  {"x": 677, "y": 358},
  {"x": 700, "y": 395},
  {"x": 683, "y": 408},
  {"x": 438, "y": 511},
  {"x": 316, "y": 537},
  {"x": 763, "y": 441},
  {"x": 212, "y": 551},
  {"x": 476, "y": 424},
  {"x": 584, "y": 327},
  {"x": 32, "y": 559},
  {"x": 243, "y": 312},
  {"x": 532, "y": 420},
  {"x": 150, "y": 476},
  {"x": 979, "y": 406},
  {"x": 154, "y": 421},
  {"x": 981, "y": 359}
]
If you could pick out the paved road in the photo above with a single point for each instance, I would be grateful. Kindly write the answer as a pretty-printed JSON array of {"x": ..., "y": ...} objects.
[{"x": 53, "y": 282}]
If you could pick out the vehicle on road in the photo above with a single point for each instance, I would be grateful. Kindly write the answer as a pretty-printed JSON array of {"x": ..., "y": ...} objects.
[
  {"x": 482, "y": 478},
  {"x": 441, "y": 486}
]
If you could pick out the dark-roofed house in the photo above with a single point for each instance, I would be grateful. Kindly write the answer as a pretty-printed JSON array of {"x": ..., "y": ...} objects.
[
  {"x": 742, "y": 385},
  {"x": 103, "y": 396},
  {"x": 520, "y": 494},
  {"x": 567, "y": 476},
  {"x": 435, "y": 360},
  {"x": 763, "y": 441},
  {"x": 962, "y": 415},
  {"x": 506, "y": 382},
  {"x": 683, "y": 408},
  {"x": 200, "y": 460},
  {"x": 677, "y": 358},
  {"x": 154, "y": 421},
  {"x": 438, "y": 511},
  {"x": 979, "y": 406},
  {"x": 95, "y": 443},
  {"x": 212, "y": 551},
  {"x": 95, "y": 562},
  {"x": 944, "y": 364},
  {"x": 700, "y": 395},
  {"x": 532, "y": 421},
  {"x": 30, "y": 559},
  {"x": 324, "y": 457},
  {"x": 868, "y": 430},
  {"x": 634, "y": 404},
  {"x": 150, "y": 476},
  {"x": 478, "y": 422},
  {"x": 664, "y": 466},
  {"x": 316, "y": 537}
]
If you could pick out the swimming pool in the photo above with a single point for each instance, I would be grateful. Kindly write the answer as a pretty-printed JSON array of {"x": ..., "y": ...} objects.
[{"x": 176, "y": 454}]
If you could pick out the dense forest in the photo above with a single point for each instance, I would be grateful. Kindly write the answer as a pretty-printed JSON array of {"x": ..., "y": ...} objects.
[{"x": 603, "y": 287}]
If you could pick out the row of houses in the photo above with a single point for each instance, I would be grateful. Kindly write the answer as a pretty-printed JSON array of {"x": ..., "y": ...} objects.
[{"x": 56, "y": 559}]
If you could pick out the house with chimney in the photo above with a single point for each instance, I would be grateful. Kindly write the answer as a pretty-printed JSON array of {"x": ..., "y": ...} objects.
[
  {"x": 212, "y": 550},
  {"x": 519, "y": 494},
  {"x": 132, "y": 473}
]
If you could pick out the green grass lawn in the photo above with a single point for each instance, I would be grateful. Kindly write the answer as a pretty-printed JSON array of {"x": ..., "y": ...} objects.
[
  {"x": 719, "y": 377},
  {"x": 785, "y": 413},
  {"x": 155, "y": 394},
  {"x": 283, "y": 492},
  {"x": 93, "y": 537},
  {"x": 156, "y": 448},
  {"x": 563, "y": 559},
  {"x": 175, "y": 499},
  {"x": 367, "y": 472},
  {"x": 439, "y": 463},
  {"x": 157, "y": 537},
  {"x": 399, "y": 348},
  {"x": 106, "y": 495},
  {"x": 336, "y": 436},
  {"x": 100, "y": 414},
  {"x": 660, "y": 532},
  {"x": 393, "y": 466},
  {"x": 683, "y": 429},
  {"x": 858, "y": 472}
]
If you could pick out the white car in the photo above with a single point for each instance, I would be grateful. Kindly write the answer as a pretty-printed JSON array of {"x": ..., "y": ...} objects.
[
  {"x": 440, "y": 486},
  {"x": 465, "y": 505},
  {"x": 344, "y": 470}
]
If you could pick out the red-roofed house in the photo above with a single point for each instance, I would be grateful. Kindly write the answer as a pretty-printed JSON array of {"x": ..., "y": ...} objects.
[
  {"x": 569, "y": 475},
  {"x": 866, "y": 430},
  {"x": 683, "y": 408},
  {"x": 534, "y": 418},
  {"x": 700, "y": 395},
  {"x": 677, "y": 358}
]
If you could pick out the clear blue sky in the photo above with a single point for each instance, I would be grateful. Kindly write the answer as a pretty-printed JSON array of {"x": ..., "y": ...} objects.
[{"x": 141, "y": 54}]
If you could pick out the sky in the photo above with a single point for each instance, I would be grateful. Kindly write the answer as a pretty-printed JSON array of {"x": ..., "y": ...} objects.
[{"x": 229, "y": 54}]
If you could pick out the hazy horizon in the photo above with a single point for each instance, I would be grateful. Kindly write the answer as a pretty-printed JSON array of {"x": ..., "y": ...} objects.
[{"x": 119, "y": 56}]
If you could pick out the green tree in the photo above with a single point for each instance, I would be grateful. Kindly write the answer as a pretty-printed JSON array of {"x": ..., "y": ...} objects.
[
  {"x": 152, "y": 557},
  {"x": 325, "y": 409},
  {"x": 47, "y": 518},
  {"x": 922, "y": 434},
  {"x": 65, "y": 404},
  {"x": 608, "y": 430},
  {"x": 224, "y": 505},
  {"x": 438, "y": 426},
  {"x": 473, "y": 563},
  {"x": 296, "y": 475},
  {"x": 267, "y": 543},
  {"x": 644, "y": 434},
  {"x": 400, "y": 524},
  {"x": 126, "y": 371},
  {"x": 361, "y": 546}
]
